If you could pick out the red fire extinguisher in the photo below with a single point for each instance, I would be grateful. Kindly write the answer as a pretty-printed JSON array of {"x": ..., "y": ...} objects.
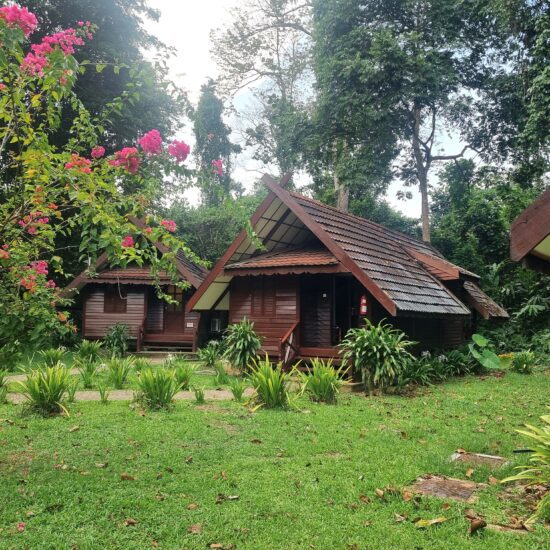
[{"x": 363, "y": 305}]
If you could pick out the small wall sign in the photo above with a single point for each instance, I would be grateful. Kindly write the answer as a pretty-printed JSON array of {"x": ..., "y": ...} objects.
[{"x": 189, "y": 325}]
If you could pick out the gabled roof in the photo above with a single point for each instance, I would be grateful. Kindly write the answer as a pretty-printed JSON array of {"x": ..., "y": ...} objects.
[
  {"x": 530, "y": 235},
  {"x": 287, "y": 258},
  {"x": 404, "y": 274},
  {"x": 188, "y": 270}
]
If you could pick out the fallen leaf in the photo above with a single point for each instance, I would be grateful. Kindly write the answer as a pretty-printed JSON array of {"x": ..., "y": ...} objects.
[
  {"x": 399, "y": 518},
  {"x": 195, "y": 529},
  {"x": 160, "y": 496},
  {"x": 74, "y": 429},
  {"x": 222, "y": 498},
  {"x": 224, "y": 476},
  {"x": 407, "y": 495},
  {"x": 129, "y": 522},
  {"x": 127, "y": 477},
  {"x": 192, "y": 506},
  {"x": 154, "y": 543},
  {"x": 379, "y": 493},
  {"x": 30, "y": 514},
  {"x": 256, "y": 441},
  {"x": 493, "y": 480},
  {"x": 460, "y": 451},
  {"x": 188, "y": 460},
  {"x": 222, "y": 546},
  {"x": 469, "y": 472},
  {"x": 476, "y": 525},
  {"x": 470, "y": 514},
  {"x": 364, "y": 498},
  {"x": 445, "y": 506},
  {"x": 423, "y": 523},
  {"x": 101, "y": 464}
]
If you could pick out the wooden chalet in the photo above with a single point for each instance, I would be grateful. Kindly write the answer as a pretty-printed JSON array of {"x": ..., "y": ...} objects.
[
  {"x": 127, "y": 295},
  {"x": 530, "y": 235},
  {"x": 321, "y": 271}
]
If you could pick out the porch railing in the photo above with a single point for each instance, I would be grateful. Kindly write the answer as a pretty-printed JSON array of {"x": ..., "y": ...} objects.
[{"x": 289, "y": 344}]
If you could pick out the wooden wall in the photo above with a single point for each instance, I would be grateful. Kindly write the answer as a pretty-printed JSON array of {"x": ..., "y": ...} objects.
[
  {"x": 433, "y": 333},
  {"x": 270, "y": 302},
  {"x": 155, "y": 313},
  {"x": 96, "y": 323}
]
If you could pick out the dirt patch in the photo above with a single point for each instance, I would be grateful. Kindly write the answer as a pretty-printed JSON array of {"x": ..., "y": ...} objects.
[
  {"x": 230, "y": 429},
  {"x": 446, "y": 487},
  {"x": 17, "y": 461},
  {"x": 478, "y": 459}
]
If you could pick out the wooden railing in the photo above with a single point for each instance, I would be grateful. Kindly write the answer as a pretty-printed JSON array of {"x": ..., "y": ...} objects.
[
  {"x": 140, "y": 334},
  {"x": 289, "y": 344}
]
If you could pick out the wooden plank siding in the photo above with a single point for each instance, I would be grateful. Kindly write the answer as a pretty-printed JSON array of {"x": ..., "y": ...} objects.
[
  {"x": 97, "y": 323},
  {"x": 271, "y": 303}
]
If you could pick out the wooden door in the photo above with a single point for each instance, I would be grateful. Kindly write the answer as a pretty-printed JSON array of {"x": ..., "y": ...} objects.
[
  {"x": 316, "y": 312},
  {"x": 174, "y": 313}
]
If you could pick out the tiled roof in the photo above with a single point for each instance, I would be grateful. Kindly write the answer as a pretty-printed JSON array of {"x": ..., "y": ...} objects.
[
  {"x": 129, "y": 275},
  {"x": 288, "y": 258},
  {"x": 382, "y": 254},
  {"x": 482, "y": 303},
  {"x": 199, "y": 271}
]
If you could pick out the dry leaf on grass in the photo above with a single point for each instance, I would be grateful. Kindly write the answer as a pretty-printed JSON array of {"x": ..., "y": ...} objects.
[
  {"x": 74, "y": 429},
  {"x": 365, "y": 499},
  {"x": 469, "y": 472},
  {"x": 195, "y": 529},
  {"x": 476, "y": 525},
  {"x": 423, "y": 523},
  {"x": 256, "y": 441},
  {"x": 129, "y": 522},
  {"x": 192, "y": 506},
  {"x": 379, "y": 493},
  {"x": 125, "y": 476},
  {"x": 101, "y": 464},
  {"x": 399, "y": 518},
  {"x": 407, "y": 495}
]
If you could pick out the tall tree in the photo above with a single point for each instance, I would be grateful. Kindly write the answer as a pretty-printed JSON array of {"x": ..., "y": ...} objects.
[
  {"x": 392, "y": 75},
  {"x": 213, "y": 144},
  {"x": 266, "y": 50},
  {"x": 121, "y": 38}
]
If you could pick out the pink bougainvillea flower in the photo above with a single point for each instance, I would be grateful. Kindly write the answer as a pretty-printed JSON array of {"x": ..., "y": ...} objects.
[
  {"x": 2, "y": 86},
  {"x": 40, "y": 266},
  {"x": 218, "y": 167},
  {"x": 28, "y": 283},
  {"x": 127, "y": 242},
  {"x": 151, "y": 142},
  {"x": 21, "y": 526},
  {"x": 179, "y": 150},
  {"x": 15, "y": 16},
  {"x": 148, "y": 230},
  {"x": 169, "y": 225},
  {"x": 127, "y": 158},
  {"x": 62, "y": 317},
  {"x": 50, "y": 284},
  {"x": 79, "y": 163},
  {"x": 97, "y": 152},
  {"x": 210, "y": 137},
  {"x": 4, "y": 255}
]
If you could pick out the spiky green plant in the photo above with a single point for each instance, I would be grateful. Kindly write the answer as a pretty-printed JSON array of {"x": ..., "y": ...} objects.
[
  {"x": 523, "y": 362},
  {"x": 271, "y": 384},
  {"x": 183, "y": 372},
  {"x": 221, "y": 377},
  {"x": 103, "y": 394},
  {"x": 537, "y": 472},
  {"x": 88, "y": 372},
  {"x": 157, "y": 388},
  {"x": 89, "y": 351},
  {"x": 142, "y": 363},
  {"x": 241, "y": 344},
  {"x": 116, "y": 339},
  {"x": 237, "y": 387},
  {"x": 3, "y": 386},
  {"x": 71, "y": 391},
  {"x": 378, "y": 352},
  {"x": 52, "y": 356},
  {"x": 46, "y": 387},
  {"x": 199, "y": 393},
  {"x": 211, "y": 354},
  {"x": 323, "y": 382},
  {"x": 119, "y": 368},
  {"x": 3, "y": 394}
]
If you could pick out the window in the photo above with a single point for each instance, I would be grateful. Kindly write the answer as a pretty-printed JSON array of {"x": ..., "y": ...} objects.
[
  {"x": 215, "y": 324},
  {"x": 114, "y": 299},
  {"x": 176, "y": 294}
]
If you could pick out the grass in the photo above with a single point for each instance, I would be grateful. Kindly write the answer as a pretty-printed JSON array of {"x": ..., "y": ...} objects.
[{"x": 299, "y": 476}]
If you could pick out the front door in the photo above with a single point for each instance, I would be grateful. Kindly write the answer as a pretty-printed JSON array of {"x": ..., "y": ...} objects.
[
  {"x": 316, "y": 312},
  {"x": 174, "y": 313}
]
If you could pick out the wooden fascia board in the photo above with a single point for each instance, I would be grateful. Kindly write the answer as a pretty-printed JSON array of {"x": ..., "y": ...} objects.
[
  {"x": 530, "y": 228},
  {"x": 217, "y": 269},
  {"x": 286, "y": 270},
  {"x": 451, "y": 270},
  {"x": 337, "y": 251},
  {"x": 82, "y": 278}
]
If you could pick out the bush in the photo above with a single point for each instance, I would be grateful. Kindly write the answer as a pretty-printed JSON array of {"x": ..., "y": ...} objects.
[
  {"x": 271, "y": 384},
  {"x": 183, "y": 372},
  {"x": 45, "y": 388},
  {"x": 199, "y": 393},
  {"x": 88, "y": 371},
  {"x": 141, "y": 363},
  {"x": 481, "y": 352},
  {"x": 523, "y": 362},
  {"x": 89, "y": 351},
  {"x": 323, "y": 382},
  {"x": 119, "y": 368},
  {"x": 52, "y": 357},
  {"x": 537, "y": 472},
  {"x": 116, "y": 339},
  {"x": 157, "y": 388},
  {"x": 3, "y": 386},
  {"x": 221, "y": 378},
  {"x": 237, "y": 387},
  {"x": 71, "y": 391},
  {"x": 378, "y": 352},
  {"x": 211, "y": 354},
  {"x": 241, "y": 344},
  {"x": 10, "y": 355},
  {"x": 103, "y": 394}
]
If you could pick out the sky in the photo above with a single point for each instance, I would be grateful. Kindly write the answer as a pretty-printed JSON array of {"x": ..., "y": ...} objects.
[{"x": 186, "y": 26}]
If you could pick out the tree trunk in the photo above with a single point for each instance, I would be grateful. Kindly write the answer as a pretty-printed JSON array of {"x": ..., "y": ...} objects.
[
  {"x": 422, "y": 168},
  {"x": 342, "y": 191}
]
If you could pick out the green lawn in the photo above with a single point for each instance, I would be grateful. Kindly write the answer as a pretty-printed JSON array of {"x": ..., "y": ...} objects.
[{"x": 303, "y": 479}]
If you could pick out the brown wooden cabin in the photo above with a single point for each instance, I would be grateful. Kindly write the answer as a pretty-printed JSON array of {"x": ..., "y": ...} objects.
[
  {"x": 127, "y": 295},
  {"x": 322, "y": 271},
  {"x": 530, "y": 235}
]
